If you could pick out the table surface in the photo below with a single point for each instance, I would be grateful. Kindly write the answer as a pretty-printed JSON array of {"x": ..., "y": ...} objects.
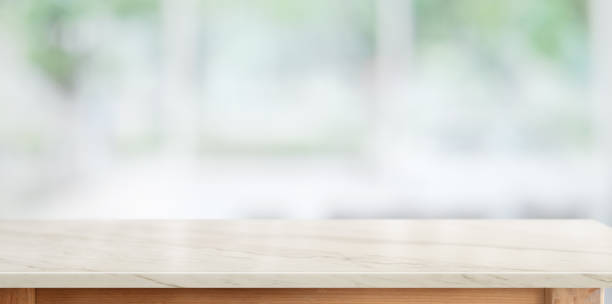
[{"x": 300, "y": 254}]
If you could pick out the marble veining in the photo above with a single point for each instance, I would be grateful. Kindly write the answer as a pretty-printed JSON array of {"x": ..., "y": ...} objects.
[{"x": 318, "y": 254}]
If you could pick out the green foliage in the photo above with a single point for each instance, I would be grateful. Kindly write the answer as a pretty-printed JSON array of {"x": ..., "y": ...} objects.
[
  {"x": 46, "y": 23},
  {"x": 553, "y": 29},
  {"x": 49, "y": 24},
  {"x": 134, "y": 8},
  {"x": 58, "y": 64},
  {"x": 546, "y": 25}
]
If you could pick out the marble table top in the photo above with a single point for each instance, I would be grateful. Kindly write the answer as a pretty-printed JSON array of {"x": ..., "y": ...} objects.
[{"x": 321, "y": 254}]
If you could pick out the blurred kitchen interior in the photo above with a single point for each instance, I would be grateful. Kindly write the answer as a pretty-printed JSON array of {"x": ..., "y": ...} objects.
[{"x": 306, "y": 109}]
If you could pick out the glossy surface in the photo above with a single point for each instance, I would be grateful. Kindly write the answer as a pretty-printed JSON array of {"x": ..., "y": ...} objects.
[{"x": 321, "y": 254}]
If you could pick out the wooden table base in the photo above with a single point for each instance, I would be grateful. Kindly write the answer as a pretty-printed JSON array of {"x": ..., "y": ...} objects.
[{"x": 302, "y": 296}]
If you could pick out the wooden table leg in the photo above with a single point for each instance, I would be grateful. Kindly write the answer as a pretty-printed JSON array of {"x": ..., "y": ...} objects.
[
  {"x": 17, "y": 296},
  {"x": 574, "y": 296}
]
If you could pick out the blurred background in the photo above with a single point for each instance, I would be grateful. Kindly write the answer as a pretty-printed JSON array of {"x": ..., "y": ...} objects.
[{"x": 306, "y": 109}]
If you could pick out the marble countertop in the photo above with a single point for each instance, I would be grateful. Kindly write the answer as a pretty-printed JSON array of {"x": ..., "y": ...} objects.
[{"x": 321, "y": 254}]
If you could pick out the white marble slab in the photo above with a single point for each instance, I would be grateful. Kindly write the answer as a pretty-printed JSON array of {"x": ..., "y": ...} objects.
[{"x": 322, "y": 254}]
